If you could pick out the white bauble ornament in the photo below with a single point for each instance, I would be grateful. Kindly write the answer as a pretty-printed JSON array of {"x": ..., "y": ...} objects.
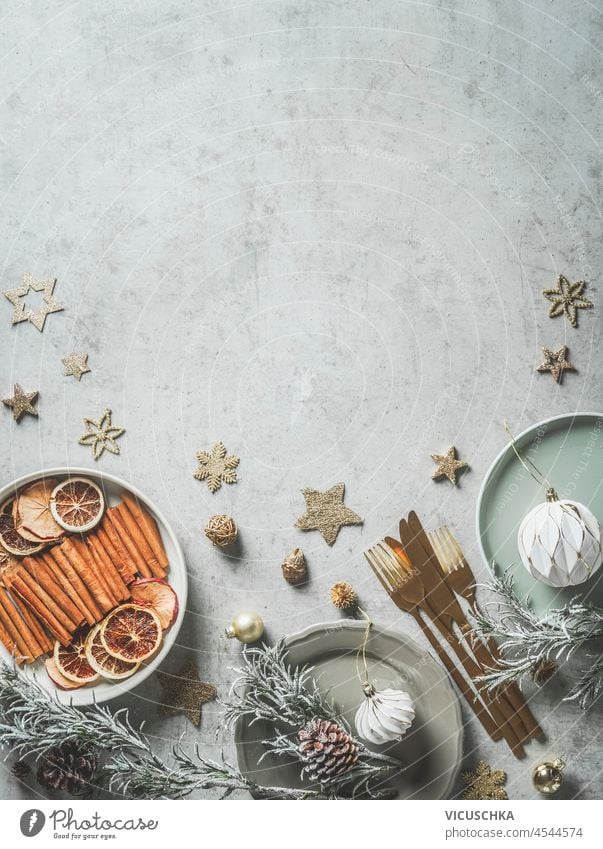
[
  {"x": 560, "y": 543},
  {"x": 384, "y": 715}
]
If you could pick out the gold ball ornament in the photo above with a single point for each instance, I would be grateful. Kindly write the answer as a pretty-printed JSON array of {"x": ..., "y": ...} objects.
[
  {"x": 221, "y": 530},
  {"x": 247, "y": 627},
  {"x": 547, "y": 777}
]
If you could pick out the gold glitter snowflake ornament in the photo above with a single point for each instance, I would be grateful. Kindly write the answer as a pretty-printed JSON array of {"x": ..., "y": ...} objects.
[
  {"x": 567, "y": 299},
  {"x": 216, "y": 467},
  {"x": 326, "y": 512},
  {"x": 485, "y": 783},
  {"x": 37, "y": 317},
  {"x": 101, "y": 435}
]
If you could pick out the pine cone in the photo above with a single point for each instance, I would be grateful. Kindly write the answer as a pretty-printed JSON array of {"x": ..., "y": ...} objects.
[
  {"x": 326, "y": 750},
  {"x": 294, "y": 567},
  {"x": 21, "y": 769},
  {"x": 68, "y": 768},
  {"x": 343, "y": 596}
]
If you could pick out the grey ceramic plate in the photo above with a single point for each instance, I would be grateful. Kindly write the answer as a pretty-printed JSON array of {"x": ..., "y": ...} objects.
[
  {"x": 568, "y": 450},
  {"x": 430, "y": 754}
]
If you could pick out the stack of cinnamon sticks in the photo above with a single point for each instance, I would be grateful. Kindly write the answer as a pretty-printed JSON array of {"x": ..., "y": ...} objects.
[{"x": 79, "y": 580}]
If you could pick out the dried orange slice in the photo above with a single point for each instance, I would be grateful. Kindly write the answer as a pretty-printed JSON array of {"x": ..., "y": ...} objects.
[
  {"x": 72, "y": 663},
  {"x": 158, "y": 596},
  {"x": 33, "y": 518},
  {"x": 104, "y": 663},
  {"x": 77, "y": 504},
  {"x": 131, "y": 633},
  {"x": 13, "y": 542},
  {"x": 58, "y": 679}
]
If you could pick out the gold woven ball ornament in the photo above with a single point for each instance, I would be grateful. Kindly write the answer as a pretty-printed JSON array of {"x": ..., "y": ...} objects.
[
  {"x": 247, "y": 627},
  {"x": 547, "y": 777},
  {"x": 221, "y": 530}
]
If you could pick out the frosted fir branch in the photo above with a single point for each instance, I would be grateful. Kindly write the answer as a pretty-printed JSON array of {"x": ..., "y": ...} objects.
[{"x": 526, "y": 640}]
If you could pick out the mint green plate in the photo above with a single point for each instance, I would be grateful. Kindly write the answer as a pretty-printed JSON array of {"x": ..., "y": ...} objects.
[{"x": 568, "y": 450}]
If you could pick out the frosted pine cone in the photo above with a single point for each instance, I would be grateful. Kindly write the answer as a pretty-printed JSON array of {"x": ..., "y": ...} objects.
[{"x": 326, "y": 749}]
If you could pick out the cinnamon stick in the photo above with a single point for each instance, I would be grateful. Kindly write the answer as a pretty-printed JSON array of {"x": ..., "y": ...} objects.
[
  {"x": 93, "y": 612},
  {"x": 128, "y": 570},
  {"x": 33, "y": 595},
  {"x": 104, "y": 562},
  {"x": 120, "y": 527},
  {"x": 121, "y": 560},
  {"x": 138, "y": 538},
  {"x": 35, "y": 626},
  {"x": 76, "y": 551},
  {"x": 67, "y": 586},
  {"x": 43, "y": 575},
  {"x": 8, "y": 643},
  {"x": 149, "y": 529},
  {"x": 22, "y": 639}
]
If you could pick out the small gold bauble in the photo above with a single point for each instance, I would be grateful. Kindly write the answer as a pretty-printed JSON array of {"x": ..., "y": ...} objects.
[
  {"x": 221, "y": 530},
  {"x": 247, "y": 627},
  {"x": 547, "y": 777},
  {"x": 294, "y": 567}
]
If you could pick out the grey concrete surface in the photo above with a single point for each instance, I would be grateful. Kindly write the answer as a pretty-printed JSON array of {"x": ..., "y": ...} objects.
[{"x": 317, "y": 231}]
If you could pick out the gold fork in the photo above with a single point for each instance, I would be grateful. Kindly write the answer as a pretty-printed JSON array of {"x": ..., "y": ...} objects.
[
  {"x": 397, "y": 585},
  {"x": 461, "y": 579}
]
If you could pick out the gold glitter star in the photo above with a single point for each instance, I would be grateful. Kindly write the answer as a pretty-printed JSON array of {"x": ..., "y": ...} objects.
[
  {"x": 567, "y": 299},
  {"x": 485, "y": 783},
  {"x": 448, "y": 465},
  {"x": 101, "y": 435},
  {"x": 37, "y": 318},
  {"x": 555, "y": 362},
  {"x": 216, "y": 467},
  {"x": 184, "y": 692},
  {"x": 21, "y": 403},
  {"x": 326, "y": 512},
  {"x": 76, "y": 365}
]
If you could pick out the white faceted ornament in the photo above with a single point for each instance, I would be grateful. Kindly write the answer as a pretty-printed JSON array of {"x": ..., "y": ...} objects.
[
  {"x": 560, "y": 543},
  {"x": 384, "y": 715}
]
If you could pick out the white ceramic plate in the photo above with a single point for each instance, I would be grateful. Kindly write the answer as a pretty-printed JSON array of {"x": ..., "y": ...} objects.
[
  {"x": 112, "y": 488},
  {"x": 430, "y": 753}
]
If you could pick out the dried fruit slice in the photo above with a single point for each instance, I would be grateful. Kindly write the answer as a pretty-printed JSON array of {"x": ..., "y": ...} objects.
[
  {"x": 77, "y": 504},
  {"x": 131, "y": 632},
  {"x": 58, "y": 679},
  {"x": 33, "y": 518},
  {"x": 72, "y": 663},
  {"x": 13, "y": 542},
  {"x": 104, "y": 663},
  {"x": 158, "y": 596}
]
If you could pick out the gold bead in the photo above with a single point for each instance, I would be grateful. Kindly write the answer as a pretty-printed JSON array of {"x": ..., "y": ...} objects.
[
  {"x": 221, "y": 530},
  {"x": 547, "y": 777},
  {"x": 247, "y": 627}
]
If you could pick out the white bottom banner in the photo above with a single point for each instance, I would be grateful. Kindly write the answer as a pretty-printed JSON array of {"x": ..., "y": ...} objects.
[{"x": 293, "y": 824}]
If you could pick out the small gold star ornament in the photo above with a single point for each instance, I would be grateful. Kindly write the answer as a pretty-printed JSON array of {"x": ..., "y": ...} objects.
[
  {"x": 567, "y": 299},
  {"x": 326, "y": 512},
  {"x": 216, "y": 467},
  {"x": 485, "y": 783},
  {"x": 36, "y": 317},
  {"x": 184, "y": 692},
  {"x": 21, "y": 403},
  {"x": 101, "y": 435},
  {"x": 76, "y": 365},
  {"x": 448, "y": 465},
  {"x": 555, "y": 362}
]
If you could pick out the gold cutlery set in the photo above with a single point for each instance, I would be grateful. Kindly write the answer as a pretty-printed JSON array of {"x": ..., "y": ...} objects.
[{"x": 427, "y": 576}]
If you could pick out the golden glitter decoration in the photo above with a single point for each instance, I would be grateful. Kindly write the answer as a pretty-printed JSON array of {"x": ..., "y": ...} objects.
[
  {"x": 567, "y": 299},
  {"x": 326, "y": 512},
  {"x": 448, "y": 465},
  {"x": 37, "y": 317},
  {"x": 216, "y": 467},
  {"x": 555, "y": 362},
  {"x": 76, "y": 364},
  {"x": 294, "y": 567},
  {"x": 343, "y": 596},
  {"x": 184, "y": 692},
  {"x": 485, "y": 783},
  {"x": 221, "y": 530},
  {"x": 101, "y": 435},
  {"x": 21, "y": 403}
]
